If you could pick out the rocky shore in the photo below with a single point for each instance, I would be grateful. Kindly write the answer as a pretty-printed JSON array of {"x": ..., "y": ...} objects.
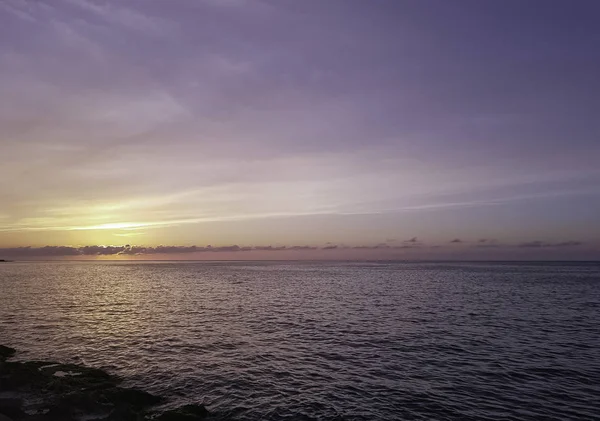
[{"x": 49, "y": 391}]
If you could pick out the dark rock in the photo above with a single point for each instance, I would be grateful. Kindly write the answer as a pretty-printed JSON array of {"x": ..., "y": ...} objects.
[
  {"x": 11, "y": 407},
  {"x": 124, "y": 414},
  {"x": 81, "y": 401},
  {"x": 185, "y": 413},
  {"x": 65, "y": 392},
  {"x": 131, "y": 397},
  {"x": 15, "y": 375},
  {"x": 6, "y": 352},
  {"x": 4, "y": 418},
  {"x": 19, "y": 375},
  {"x": 81, "y": 372},
  {"x": 60, "y": 411},
  {"x": 38, "y": 417},
  {"x": 72, "y": 375}
]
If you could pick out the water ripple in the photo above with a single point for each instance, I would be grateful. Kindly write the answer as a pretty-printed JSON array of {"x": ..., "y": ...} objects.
[{"x": 307, "y": 341}]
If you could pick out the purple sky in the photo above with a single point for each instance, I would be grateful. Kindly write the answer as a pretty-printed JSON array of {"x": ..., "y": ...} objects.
[{"x": 321, "y": 123}]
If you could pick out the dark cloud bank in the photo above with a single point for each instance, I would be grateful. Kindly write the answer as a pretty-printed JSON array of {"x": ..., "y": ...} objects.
[
  {"x": 133, "y": 250},
  {"x": 128, "y": 250},
  {"x": 539, "y": 244}
]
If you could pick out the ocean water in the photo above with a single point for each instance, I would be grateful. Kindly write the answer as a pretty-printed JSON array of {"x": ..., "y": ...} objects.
[{"x": 323, "y": 341}]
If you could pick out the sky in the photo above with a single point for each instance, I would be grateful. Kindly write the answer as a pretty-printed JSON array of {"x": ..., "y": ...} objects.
[{"x": 283, "y": 129}]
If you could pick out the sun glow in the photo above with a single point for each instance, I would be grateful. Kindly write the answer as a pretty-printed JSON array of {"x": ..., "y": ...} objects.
[{"x": 114, "y": 225}]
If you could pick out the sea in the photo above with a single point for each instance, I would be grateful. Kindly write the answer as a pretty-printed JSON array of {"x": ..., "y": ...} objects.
[{"x": 323, "y": 340}]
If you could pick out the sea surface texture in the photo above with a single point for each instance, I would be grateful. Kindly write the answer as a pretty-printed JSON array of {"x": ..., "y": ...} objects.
[{"x": 323, "y": 341}]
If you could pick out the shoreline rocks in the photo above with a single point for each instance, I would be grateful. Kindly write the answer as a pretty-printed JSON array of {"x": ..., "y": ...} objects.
[
  {"x": 50, "y": 391},
  {"x": 6, "y": 352}
]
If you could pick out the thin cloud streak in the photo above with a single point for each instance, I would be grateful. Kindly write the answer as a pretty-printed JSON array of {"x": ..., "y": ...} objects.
[
  {"x": 540, "y": 244},
  {"x": 484, "y": 203},
  {"x": 155, "y": 224}
]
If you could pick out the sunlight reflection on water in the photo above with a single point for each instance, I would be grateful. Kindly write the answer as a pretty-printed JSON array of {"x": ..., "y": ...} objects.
[{"x": 320, "y": 340}]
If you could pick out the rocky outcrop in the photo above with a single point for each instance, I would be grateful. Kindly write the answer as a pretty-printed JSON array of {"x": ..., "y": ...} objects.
[
  {"x": 6, "y": 352},
  {"x": 47, "y": 391},
  {"x": 185, "y": 413}
]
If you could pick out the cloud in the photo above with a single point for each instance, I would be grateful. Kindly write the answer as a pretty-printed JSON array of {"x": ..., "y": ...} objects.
[
  {"x": 132, "y": 250},
  {"x": 244, "y": 87},
  {"x": 385, "y": 246},
  {"x": 270, "y": 248},
  {"x": 375, "y": 247},
  {"x": 122, "y": 16},
  {"x": 567, "y": 244},
  {"x": 540, "y": 244},
  {"x": 488, "y": 243},
  {"x": 531, "y": 244},
  {"x": 19, "y": 8},
  {"x": 165, "y": 249},
  {"x": 140, "y": 250},
  {"x": 101, "y": 250}
]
